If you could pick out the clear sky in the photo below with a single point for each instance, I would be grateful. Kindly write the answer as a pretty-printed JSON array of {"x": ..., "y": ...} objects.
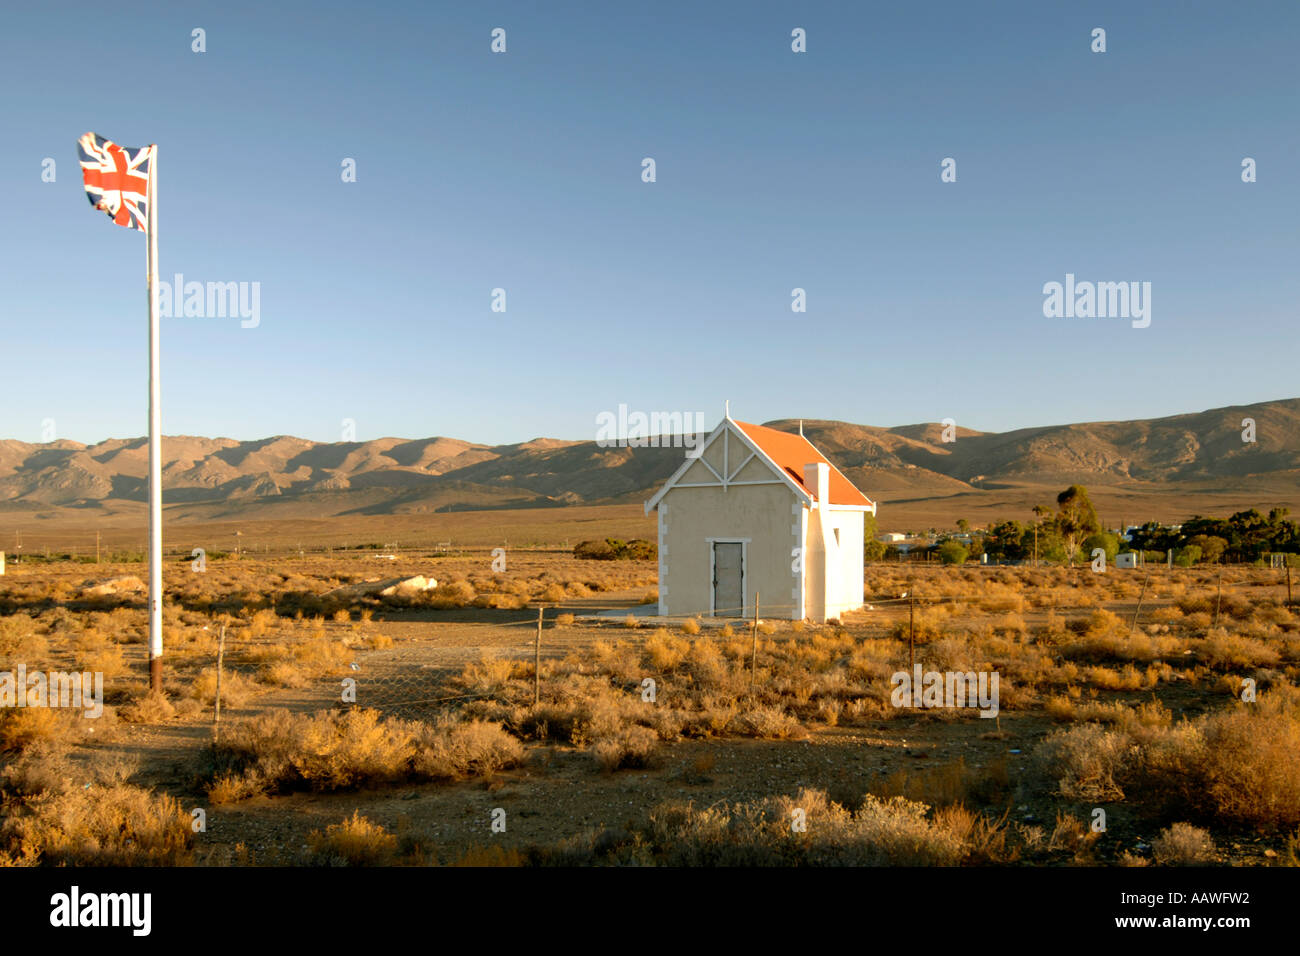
[{"x": 775, "y": 170}]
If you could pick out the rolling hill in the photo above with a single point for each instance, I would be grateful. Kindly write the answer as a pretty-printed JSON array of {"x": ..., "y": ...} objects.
[{"x": 285, "y": 477}]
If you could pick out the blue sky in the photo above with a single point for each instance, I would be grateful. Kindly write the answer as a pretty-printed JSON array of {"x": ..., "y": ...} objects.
[{"x": 775, "y": 170}]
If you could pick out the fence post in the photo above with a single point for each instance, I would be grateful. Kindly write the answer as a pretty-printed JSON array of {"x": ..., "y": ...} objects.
[
  {"x": 911, "y": 628},
  {"x": 221, "y": 653},
  {"x": 537, "y": 660},
  {"x": 1141, "y": 598},
  {"x": 1218, "y": 599},
  {"x": 753, "y": 663}
]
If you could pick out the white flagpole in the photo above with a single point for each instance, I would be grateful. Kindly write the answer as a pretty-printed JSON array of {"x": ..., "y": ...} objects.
[{"x": 155, "y": 438}]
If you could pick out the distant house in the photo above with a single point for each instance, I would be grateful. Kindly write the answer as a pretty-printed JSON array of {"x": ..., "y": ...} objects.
[
  {"x": 754, "y": 510},
  {"x": 891, "y": 537}
]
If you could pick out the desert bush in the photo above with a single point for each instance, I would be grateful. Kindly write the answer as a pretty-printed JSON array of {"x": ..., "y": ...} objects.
[
  {"x": 631, "y": 746},
  {"x": 147, "y": 708},
  {"x": 354, "y": 842},
  {"x": 51, "y": 817},
  {"x": 1183, "y": 845},
  {"x": 1085, "y": 761},
  {"x": 771, "y": 723},
  {"x": 453, "y": 749},
  {"x": 612, "y": 549},
  {"x": 21, "y": 727},
  {"x": 896, "y": 831},
  {"x": 280, "y": 751},
  {"x": 664, "y": 652},
  {"x": 1223, "y": 651},
  {"x": 452, "y": 594},
  {"x": 1250, "y": 767}
]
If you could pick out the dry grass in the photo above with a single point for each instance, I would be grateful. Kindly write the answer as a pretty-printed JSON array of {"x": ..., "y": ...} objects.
[
  {"x": 280, "y": 751},
  {"x": 52, "y": 816},
  {"x": 1240, "y": 765}
]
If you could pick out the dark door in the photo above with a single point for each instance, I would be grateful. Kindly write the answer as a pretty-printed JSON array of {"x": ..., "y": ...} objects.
[{"x": 728, "y": 575}]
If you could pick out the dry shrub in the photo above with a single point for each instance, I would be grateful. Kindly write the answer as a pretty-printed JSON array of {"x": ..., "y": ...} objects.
[
  {"x": 354, "y": 842},
  {"x": 493, "y": 855},
  {"x": 896, "y": 831},
  {"x": 21, "y": 727},
  {"x": 502, "y": 601},
  {"x": 454, "y": 750},
  {"x": 279, "y": 674},
  {"x": 236, "y": 689},
  {"x": 691, "y": 626},
  {"x": 1223, "y": 651},
  {"x": 632, "y": 746},
  {"x": 1251, "y": 760},
  {"x": 148, "y": 708},
  {"x": 490, "y": 674},
  {"x": 52, "y": 816},
  {"x": 452, "y": 594},
  {"x": 828, "y": 711},
  {"x": 631, "y": 621},
  {"x": 266, "y": 619},
  {"x": 1086, "y": 762},
  {"x": 771, "y": 723},
  {"x": 564, "y": 620},
  {"x": 100, "y": 657},
  {"x": 20, "y": 640},
  {"x": 664, "y": 652},
  {"x": 280, "y": 751},
  {"x": 553, "y": 593},
  {"x": 1183, "y": 845}
]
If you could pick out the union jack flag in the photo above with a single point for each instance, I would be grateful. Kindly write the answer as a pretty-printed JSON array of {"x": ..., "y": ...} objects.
[{"x": 117, "y": 179}]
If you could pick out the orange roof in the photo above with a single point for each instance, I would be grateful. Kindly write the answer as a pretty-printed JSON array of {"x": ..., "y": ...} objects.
[{"x": 791, "y": 452}]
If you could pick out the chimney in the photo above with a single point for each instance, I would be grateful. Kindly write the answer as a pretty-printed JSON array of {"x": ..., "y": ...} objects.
[{"x": 817, "y": 479}]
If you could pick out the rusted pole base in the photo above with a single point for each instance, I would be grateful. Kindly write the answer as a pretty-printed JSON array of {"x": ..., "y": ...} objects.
[{"x": 155, "y": 674}]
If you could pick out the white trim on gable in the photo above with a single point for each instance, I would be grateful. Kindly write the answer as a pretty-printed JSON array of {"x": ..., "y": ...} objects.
[{"x": 728, "y": 428}]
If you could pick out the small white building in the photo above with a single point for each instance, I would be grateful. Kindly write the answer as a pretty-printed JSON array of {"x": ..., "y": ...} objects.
[
  {"x": 1128, "y": 559},
  {"x": 756, "y": 510}
]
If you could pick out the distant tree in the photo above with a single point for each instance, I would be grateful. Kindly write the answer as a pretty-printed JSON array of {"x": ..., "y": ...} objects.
[
  {"x": 872, "y": 550},
  {"x": 1003, "y": 542},
  {"x": 1211, "y": 545},
  {"x": 1075, "y": 518},
  {"x": 1108, "y": 543},
  {"x": 963, "y": 526},
  {"x": 952, "y": 552}
]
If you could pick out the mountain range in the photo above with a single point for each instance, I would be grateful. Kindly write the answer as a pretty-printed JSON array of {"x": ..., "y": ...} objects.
[{"x": 283, "y": 476}]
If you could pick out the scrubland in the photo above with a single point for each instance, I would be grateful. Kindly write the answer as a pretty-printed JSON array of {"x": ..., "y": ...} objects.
[{"x": 1166, "y": 701}]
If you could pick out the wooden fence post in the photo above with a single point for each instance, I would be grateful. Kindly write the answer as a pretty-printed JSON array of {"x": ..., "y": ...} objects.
[
  {"x": 537, "y": 661},
  {"x": 221, "y": 653}
]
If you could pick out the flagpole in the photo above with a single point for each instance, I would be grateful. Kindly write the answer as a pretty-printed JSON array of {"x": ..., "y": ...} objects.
[{"x": 155, "y": 437}]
